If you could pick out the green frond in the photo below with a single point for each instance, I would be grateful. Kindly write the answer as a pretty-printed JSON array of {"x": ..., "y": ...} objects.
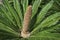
[
  {"x": 53, "y": 27},
  {"x": 7, "y": 14},
  {"x": 12, "y": 11},
  {"x": 24, "y": 5},
  {"x": 46, "y": 36},
  {"x": 8, "y": 29},
  {"x": 35, "y": 6},
  {"x": 49, "y": 21},
  {"x": 44, "y": 11},
  {"x": 8, "y": 23},
  {"x": 18, "y": 9}
]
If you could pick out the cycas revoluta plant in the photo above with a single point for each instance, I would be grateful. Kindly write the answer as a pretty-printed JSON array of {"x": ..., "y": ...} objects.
[{"x": 21, "y": 21}]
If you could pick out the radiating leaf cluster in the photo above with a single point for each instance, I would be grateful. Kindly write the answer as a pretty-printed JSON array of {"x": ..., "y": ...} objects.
[{"x": 12, "y": 16}]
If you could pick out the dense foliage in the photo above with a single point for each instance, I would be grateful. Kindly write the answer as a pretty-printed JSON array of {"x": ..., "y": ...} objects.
[{"x": 44, "y": 24}]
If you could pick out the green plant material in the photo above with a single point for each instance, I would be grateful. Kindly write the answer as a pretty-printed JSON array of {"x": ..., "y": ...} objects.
[
  {"x": 44, "y": 11},
  {"x": 46, "y": 36},
  {"x": 24, "y": 4},
  {"x": 8, "y": 23},
  {"x": 8, "y": 29},
  {"x": 12, "y": 11},
  {"x": 53, "y": 28},
  {"x": 18, "y": 8},
  {"x": 7, "y": 14},
  {"x": 12, "y": 14},
  {"x": 35, "y": 6},
  {"x": 58, "y": 2},
  {"x": 49, "y": 21}
]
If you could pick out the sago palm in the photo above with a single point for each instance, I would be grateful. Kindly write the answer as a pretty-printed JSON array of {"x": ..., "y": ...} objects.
[{"x": 20, "y": 20}]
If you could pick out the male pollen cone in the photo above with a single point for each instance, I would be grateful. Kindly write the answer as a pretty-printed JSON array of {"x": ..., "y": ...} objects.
[{"x": 25, "y": 33}]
